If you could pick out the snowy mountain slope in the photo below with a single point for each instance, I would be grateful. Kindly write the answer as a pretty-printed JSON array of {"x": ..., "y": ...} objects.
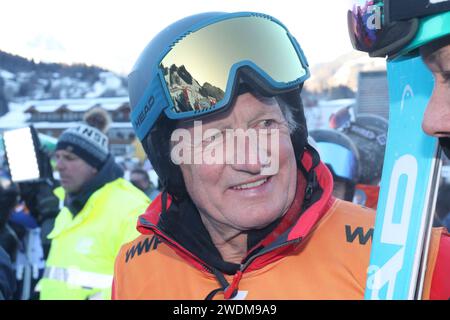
[{"x": 343, "y": 71}]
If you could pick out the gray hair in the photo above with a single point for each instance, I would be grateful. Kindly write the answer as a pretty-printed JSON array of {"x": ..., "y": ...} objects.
[{"x": 286, "y": 110}]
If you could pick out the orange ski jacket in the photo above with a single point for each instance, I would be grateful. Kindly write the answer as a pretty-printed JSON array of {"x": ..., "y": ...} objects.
[{"x": 324, "y": 254}]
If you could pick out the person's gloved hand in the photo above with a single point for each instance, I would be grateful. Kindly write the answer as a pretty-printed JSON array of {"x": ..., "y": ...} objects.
[
  {"x": 44, "y": 164},
  {"x": 38, "y": 195},
  {"x": 40, "y": 199},
  {"x": 43, "y": 205}
]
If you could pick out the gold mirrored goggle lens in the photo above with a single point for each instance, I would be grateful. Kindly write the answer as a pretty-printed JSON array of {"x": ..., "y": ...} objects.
[{"x": 196, "y": 70}]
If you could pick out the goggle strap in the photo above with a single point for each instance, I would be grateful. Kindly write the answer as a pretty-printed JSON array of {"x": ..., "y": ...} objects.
[{"x": 401, "y": 40}]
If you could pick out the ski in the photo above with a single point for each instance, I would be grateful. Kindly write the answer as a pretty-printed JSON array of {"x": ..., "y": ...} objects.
[{"x": 408, "y": 188}]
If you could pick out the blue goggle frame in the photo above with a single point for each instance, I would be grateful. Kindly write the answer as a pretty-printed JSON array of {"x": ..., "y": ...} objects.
[{"x": 157, "y": 99}]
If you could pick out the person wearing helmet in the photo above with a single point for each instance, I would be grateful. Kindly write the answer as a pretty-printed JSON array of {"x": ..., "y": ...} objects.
[
  {"x": 341, "y": 156},
  {"x": 253, "y": 219},
  {"x": 369, "y": 134},
  {"x": 406, "y": 29}
]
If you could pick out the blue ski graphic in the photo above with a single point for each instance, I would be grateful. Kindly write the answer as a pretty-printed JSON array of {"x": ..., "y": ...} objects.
[{"x": 408, "y": 187}]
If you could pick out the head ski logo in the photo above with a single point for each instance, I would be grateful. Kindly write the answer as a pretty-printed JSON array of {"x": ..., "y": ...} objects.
[{"x": 407, "y": 92}]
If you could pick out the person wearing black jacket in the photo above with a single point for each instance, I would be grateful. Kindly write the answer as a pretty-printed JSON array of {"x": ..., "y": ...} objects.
[{"x": 7, "y": 279}]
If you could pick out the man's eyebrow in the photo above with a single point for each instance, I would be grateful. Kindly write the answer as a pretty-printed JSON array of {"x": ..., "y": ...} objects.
[
  {"x": 431, "y": 58},
  {"x": 267, "y": 113},
  {"x": 437, "y": 60}
]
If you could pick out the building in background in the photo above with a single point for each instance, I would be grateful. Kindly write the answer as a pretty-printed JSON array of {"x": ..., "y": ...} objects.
[
  {"x": 51, "y": 117},
  {"x": 372, "y": 96}
]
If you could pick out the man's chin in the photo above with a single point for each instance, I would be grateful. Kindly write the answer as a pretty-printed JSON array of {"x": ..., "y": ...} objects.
[
  {"x": 259, "y": 222},
  {"x": 68, "y": 188}
]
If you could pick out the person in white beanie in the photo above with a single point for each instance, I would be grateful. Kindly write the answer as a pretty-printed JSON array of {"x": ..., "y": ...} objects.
[{"x": 98, "y": 215}]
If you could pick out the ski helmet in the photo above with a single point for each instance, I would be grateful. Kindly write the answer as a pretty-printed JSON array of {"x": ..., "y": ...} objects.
[
  {"x": 341, "y": 156},
  {"x": 199, "y": 65},
  {"x": 369, "y": 134}
]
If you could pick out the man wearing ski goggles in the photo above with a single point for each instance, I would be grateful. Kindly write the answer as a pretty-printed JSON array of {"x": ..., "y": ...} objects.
[
  {"x": 228, "y": 229},
  {"x": 402, "y": 30}
]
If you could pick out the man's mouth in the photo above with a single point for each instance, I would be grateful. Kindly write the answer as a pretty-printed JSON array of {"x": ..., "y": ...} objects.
[{"x": 251, "y": 185}]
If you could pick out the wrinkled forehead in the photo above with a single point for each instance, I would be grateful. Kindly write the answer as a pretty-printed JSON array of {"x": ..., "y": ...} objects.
[{"x": 68, "y": 151}]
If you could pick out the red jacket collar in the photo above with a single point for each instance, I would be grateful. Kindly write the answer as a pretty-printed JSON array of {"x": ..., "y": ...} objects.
[{"x": 318, "y": 209}]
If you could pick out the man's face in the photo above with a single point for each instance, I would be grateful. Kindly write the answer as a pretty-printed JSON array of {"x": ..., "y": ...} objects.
[
  {"x": 240, "y": 196},
  {"x": 74, "y": 171},
  {"x": 140, "y": 181},
  {"x": 436, "y": 121}
]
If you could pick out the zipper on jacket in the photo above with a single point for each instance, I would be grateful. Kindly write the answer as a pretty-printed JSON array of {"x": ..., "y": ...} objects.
[
  {"x": 263, "y": 252},
  {"x": 231, "y": 290},
  {"x": 310, "y": 187},
  {"x": 209, "y": 269}
]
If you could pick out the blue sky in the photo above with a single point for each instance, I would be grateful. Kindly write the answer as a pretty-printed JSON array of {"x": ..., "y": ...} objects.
[{"x": 112, "y": 33}]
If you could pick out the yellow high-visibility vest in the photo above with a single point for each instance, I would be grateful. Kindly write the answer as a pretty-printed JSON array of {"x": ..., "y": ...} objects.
[{"x": 81, "y": 260}]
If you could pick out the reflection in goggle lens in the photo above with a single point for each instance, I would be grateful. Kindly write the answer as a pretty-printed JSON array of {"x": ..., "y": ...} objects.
[
  {"x": 365, "y": 21},
  {"x": 196, "y": 69}
]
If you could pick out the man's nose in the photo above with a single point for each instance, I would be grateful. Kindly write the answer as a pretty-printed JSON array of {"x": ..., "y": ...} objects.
[
  {"x": 59, "y": 164},
  {"x": 436, "y": 120},
  {"x": 247, "y": 166},
  {"x": 250, "y": 158}
]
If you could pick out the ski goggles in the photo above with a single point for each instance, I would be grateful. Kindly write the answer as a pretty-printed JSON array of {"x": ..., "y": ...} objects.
[
  {"x": 384, "y": 27},
  {"x": 196, "y": 74},
  {"x": 341, "y": 161}
]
